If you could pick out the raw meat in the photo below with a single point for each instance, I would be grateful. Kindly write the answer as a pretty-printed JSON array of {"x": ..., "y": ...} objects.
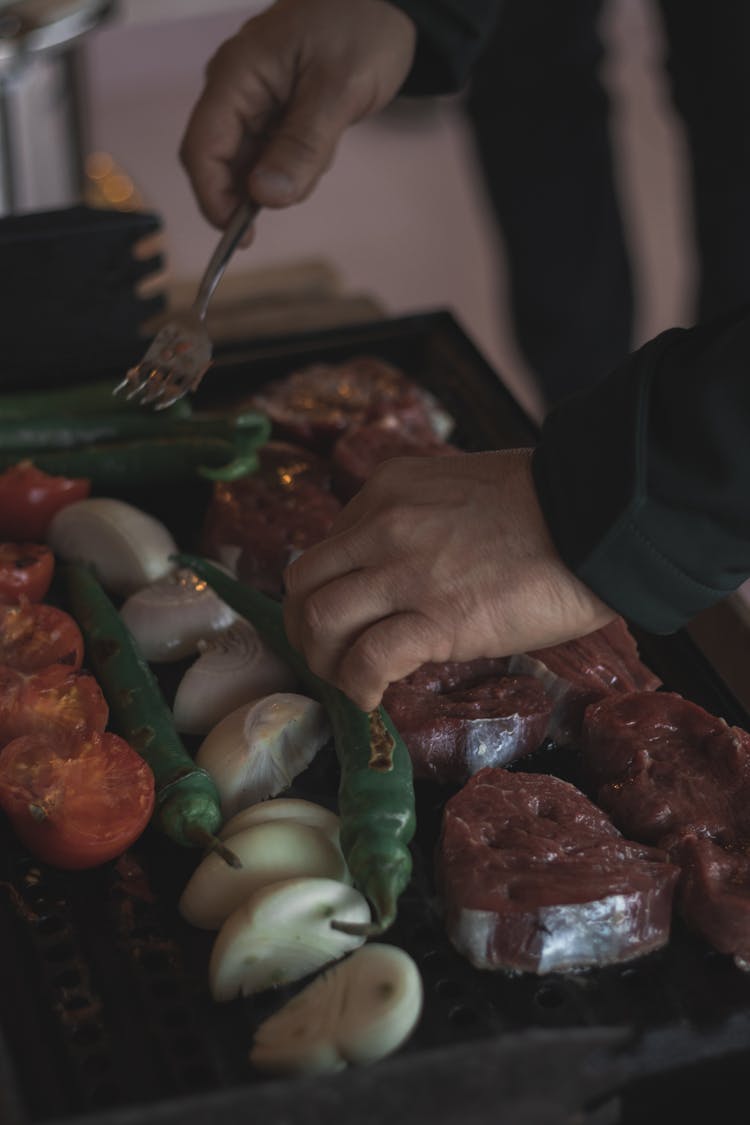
[
  {"x": 361, "y": 448},
  {"x": 456, "y": 718},
  {"x": 313, "y": 406},
  {"x": 258, "y": 524},
  {"x": 582, "y": 671},
  {"x": 672, "y": 774},
  {"x": 534, "y": 878}
]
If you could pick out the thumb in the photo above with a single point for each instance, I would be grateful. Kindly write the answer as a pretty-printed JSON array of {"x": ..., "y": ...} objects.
[{"x": 303, "y": 143}]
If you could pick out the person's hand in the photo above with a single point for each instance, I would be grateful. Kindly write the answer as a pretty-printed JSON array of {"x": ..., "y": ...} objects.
[
  {"x": 439, "y": 558},
  {"x": 279, "y": 94}
]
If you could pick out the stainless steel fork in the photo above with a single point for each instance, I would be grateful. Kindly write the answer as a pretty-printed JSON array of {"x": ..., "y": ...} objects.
[{"x": 180, "y": 353}]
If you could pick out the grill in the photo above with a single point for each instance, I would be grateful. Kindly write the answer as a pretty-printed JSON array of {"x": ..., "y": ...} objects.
[{"x": 105, "y": 1016}]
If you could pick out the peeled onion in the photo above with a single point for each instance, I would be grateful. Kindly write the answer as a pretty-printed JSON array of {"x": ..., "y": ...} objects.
[
  {"x": 170, "y": 617},
  {"x": 357, "y": 1012},
  {"x": 284, "y": 808},
  {"x": 282, "y": 933},
  {"x": 268, "y": 853},
  {"x": 126, "y": 547},
  {"x": 234, "y": 667},
  {"x": 258, "y": 749}
]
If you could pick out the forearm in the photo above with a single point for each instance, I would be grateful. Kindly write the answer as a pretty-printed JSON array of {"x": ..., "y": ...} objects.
[
  {"x": 644, "y": 481},
  {"x": 451, "y": 35}
]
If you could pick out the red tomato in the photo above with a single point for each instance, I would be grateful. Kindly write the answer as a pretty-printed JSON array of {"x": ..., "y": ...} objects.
[
  {"x": 75, "y": 802},
  {"x": 33, "y": 635},
  {"x": 26, "y": 571},
  {"x": 53, "y": 701},
  {"x": 29, "y": 498}
]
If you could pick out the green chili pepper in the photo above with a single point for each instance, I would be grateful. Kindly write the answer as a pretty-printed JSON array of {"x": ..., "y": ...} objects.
[
  {"x": 45, "y": 433},
  {"x": 80, "y": 398},
  {"x": 376, "y": 793},
  {"x": 187, "y": 809},
  {"x": 129, "y": 464}
]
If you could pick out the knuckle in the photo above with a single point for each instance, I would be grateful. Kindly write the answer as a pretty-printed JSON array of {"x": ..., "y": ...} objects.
[
  {"x": 395, "y": 524},
  {"x": 314, "y": 616}
]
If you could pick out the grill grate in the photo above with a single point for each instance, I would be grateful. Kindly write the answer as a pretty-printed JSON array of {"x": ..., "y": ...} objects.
[{"x": 104, "y": 1002}]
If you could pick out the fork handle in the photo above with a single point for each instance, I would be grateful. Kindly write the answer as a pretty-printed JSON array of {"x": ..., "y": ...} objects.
[{"x": 238, "y": 224}]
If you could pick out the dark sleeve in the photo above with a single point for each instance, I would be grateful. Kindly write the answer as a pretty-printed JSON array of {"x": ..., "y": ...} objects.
[
  {"x": 450, "y": 37},
  {"x": 645, "y": 480}
]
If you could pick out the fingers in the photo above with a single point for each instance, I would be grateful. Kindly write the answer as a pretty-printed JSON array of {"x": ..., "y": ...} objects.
[
  {"x": 280, "y": 93},
  {"x": 364, "y": 662},
  {"x": 323, "y": 623},
  {"x": 387, "y": 651},
  {"x": 301, "y": 147},
  {"x": 215, "y": 144}
]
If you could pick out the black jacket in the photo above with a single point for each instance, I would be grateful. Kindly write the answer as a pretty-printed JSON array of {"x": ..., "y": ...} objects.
[{"x": 644, "y": 481}]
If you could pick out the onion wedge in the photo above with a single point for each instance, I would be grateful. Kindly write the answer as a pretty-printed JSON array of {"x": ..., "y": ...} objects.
[
  {"x": 284, "y": 808},
  {"x": 268, "y": 853},
  {"x": 357, "y": 1012},
  {"x": 170, "y": 617},
  {"x": 234, "y": 667},
  {"x": 257, "y": 750},
  {"x": 283, "y": 933},
  {"x": 126, "y": 547}
]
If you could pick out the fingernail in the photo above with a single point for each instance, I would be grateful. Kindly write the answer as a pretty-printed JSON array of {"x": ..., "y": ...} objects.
[{"x": 273, "y": 183}]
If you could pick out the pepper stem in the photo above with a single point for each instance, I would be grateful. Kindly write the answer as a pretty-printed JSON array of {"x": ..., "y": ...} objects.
[
  {"x": 361, "y": 929},
  {"x": 212, "y": 843}
]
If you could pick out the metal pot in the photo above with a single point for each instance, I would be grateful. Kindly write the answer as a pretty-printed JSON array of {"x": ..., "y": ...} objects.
[{"x": 42, "y": 121}]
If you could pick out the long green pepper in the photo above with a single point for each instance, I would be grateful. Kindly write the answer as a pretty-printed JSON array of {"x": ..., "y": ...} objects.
[
  {"x": 187, "y": 809},
  {"x": 65, "y": 430},
  {"x": 117, "y": 451},
  {"x": 376, "y": 805},
  {"x": 95, "y": 397}
]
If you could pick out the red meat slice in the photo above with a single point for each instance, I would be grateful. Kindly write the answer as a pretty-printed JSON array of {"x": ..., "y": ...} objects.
[
  {"x": 258, "y": 524},
  {"x": 315, "y": 405},
  {"x": 361, "y": 448},
  {"x": 456, "y": 718},
  {"x": 535, "y": 878},
  {"x": 672, "y": 774},
  {"x": 585, "y": 670}
]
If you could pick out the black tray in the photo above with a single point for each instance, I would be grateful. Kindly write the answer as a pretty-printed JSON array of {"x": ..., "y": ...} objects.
[{"x": 105, "y": 1016}]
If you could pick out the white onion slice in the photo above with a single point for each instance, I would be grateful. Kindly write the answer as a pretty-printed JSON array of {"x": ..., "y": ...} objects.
[
  {"x": 258, "y": 749},
  {"x": 127, "y": 547},
  {"x": 284, "y": 808},
  {"x": 282, "y": 933},
  {"x": 268, "y": 853},
  {"x": 168, "y": 618},
  {"x": 234, "y": 667},
  {"x": 356, "y": 1012}
]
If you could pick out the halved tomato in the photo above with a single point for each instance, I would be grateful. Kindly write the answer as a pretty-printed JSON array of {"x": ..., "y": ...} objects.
[
  {"x": 29, "y": 498},
  {"x": 33, "y": 635},
  {"x": 26, "y": 571},
  {"x": 54, "y": 701},
  {"x": 75, "y": 802}
]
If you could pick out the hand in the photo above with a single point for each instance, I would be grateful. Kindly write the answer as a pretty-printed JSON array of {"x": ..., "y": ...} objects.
[
  {"x": 279, "y": 94},
  {"x": 434, "y": 559}
]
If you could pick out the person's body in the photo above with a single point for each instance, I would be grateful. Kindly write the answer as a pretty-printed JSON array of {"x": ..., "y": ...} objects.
[
  {"x": 539, "y": 111},
  {"x": 635, "y": 499}
]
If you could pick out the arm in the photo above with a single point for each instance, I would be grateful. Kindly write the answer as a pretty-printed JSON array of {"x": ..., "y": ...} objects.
[
  {"x": 450, "y": 37},
  {"x": 655, "y": 515}
]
